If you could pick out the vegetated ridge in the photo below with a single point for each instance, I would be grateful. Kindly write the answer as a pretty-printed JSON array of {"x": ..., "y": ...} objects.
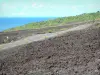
[{"x": 59, "y": 21}]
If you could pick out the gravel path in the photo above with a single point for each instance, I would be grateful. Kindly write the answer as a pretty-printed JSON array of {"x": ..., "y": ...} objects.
[{"x": 40, "y": 37}]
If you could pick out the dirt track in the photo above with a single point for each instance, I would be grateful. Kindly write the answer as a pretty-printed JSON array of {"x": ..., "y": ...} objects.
[
  {"x": 39, "y": 37},
  {"x": 17, "y": 35},
  {"x": 74, "y": 53}
]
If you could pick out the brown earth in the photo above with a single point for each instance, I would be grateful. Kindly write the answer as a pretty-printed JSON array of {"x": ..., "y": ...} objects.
[{"x": 74, "y": 53}]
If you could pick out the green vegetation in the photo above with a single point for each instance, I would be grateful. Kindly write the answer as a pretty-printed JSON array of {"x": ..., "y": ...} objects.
[
  {"x": 57, "y": 29},
  {"x": 97, "y": 25},
  {"x": 59, "y": 21}
]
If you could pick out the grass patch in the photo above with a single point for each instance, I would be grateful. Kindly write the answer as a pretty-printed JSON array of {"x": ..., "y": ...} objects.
[{"x": 97, "y": 25}]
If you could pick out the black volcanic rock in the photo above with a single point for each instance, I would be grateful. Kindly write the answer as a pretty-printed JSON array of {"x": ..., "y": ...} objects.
[{"x": 74, "y": 53}]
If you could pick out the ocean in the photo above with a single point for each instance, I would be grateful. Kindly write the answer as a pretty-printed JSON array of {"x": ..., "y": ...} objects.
[{"x": 6, "y": 23}]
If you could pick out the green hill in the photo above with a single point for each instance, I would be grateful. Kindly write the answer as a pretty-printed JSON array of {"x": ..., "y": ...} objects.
[{"x": 59, "y": 21}]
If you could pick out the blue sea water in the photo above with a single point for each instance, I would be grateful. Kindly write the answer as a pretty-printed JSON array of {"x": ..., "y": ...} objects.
[{"x": 6, "y": 23}]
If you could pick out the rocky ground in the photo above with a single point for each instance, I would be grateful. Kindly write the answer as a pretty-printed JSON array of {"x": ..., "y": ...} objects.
[{"x": 73, "y": 53}]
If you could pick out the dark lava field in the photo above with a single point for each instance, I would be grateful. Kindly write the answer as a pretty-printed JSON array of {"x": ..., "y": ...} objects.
[{"x": 73, "y": 53}]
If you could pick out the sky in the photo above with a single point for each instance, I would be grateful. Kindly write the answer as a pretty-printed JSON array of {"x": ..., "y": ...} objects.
[{"x": 47, "y": 8}]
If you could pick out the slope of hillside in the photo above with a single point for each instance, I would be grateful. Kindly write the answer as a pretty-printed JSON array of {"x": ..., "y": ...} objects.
[
  {"x": 17, "y": 35},
  {"x": 74, "y": 53},
  {"x": 59, "y": 21},
  {"x": 39, "y": 37}
]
